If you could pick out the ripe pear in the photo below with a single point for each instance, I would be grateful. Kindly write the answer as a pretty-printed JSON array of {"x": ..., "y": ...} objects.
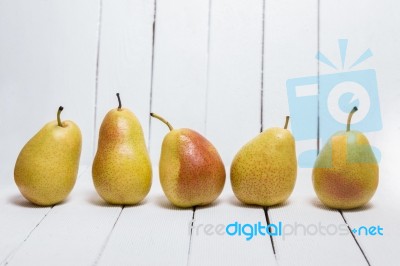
[
  {"x": 47, "y": 166},
  {"x": 121, "y": 168},
  {"x": 264, "y": 170},
  {"x": 191, "y": 170},
  {"x": 346, "y": 173}
]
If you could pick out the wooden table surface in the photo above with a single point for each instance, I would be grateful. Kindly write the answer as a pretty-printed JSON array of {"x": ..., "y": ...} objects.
[{"x": 219, "y": 67}]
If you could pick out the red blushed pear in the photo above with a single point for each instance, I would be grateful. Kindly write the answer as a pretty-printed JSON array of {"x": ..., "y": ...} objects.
[
  {"x": 121, "y": 170},
  {"x": 191, "y": 170},
  {"x": 346, "y": 173}
]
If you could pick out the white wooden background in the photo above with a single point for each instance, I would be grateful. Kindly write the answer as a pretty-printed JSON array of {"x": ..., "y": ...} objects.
[{"x": 219, "y": 67}]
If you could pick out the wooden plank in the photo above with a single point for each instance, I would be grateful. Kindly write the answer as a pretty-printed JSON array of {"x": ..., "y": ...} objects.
[
  {"x": 48, "y": 59},
  {"x": 180, "y": 68},
  {"x": 151, "y": 233},
  {"x": 125, "y": 59},
  {"x": 155, "y": 232},
  {"x": 374, "y": 27},
  {"x": 234, "y": 74},
  {"x": 290, "y": 48},
  {"x": 233, "y": 118},
  {"x": 80, "y": 225},
  {"x": 211, "y": 245},
  {"x": 19, "y": 220},
  {"x": 308, "y": 244}
]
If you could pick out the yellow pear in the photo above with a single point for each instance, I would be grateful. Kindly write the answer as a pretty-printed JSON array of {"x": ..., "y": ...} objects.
[
  {"x": 47, "y": 166},
  {"x": 264, "y": 170},
  {"x": 191, "y": 170},
  {"x": 346, "y": 172},
  {"x": 121, "y": 168}
]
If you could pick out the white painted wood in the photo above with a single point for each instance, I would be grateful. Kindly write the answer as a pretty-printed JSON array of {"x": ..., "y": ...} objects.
[
  {"x": 125, "y": 59},
  {"x": 212, "y": 247},
  {"x": 374, "y": 27},
  {"x": 155, "y": 232},
  {"x": 205, "y": 79},
  {"x": 233, "y": 118},
  {"x": 382, "y": 211},
  {"x": 47, "y": 59},
  {"x": 20, "y": 219},
  {"x": 234, "y": 75},
  {"x": 180, "y": 70},
  {"x": 312, "y": 248},
  {"x": 363, "y": 33},
  {"x": 291, "y": 44},
  {"x": 151, "y": 233},
  {"x": 73, "y": 233}
]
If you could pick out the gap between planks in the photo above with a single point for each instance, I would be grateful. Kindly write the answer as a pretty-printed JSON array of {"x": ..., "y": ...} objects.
[
  {"x": 153, "y": 43},
  {"x": 96, "y": 89},
  {"x": 10, "y": 256},
  {"x": 108, "y": 237}
]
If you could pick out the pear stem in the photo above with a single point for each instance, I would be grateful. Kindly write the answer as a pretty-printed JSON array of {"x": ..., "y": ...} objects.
[
  {"x": 58, "y": 116},
  {"x": 286, "y": 122},
  {"x": 119, "y": 102},
  {"x": 162, "y": 120},
  {"x": 355, "y": 109}
]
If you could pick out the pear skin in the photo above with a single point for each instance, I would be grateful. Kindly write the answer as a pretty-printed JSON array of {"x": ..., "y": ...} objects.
[
  {"x": 47, "y": 166},
  {"x": 346, "y": 173},
  {"x": 121, "y": 169},
  {"x": 191, "y": 170},
  {"x": 264, "y": 171}
]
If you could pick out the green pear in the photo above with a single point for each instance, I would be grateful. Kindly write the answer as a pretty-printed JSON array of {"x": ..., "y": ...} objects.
[
  {"x": 47, "y": 166},
  {"x": 191, "y": 170},
  {"x": 121, "y": 168},
  {"x": 346, "y": 173},
  {"x": 263, "y": 172}
]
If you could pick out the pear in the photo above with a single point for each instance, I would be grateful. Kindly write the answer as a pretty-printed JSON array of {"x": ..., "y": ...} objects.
[
  {"x": 264, "y": 170},
  {"x": 47, "y": 166},
  {"x": 121, "y": 169},
  {"x": 191, "y": 170},
  {"x": 346, "y": 173}
]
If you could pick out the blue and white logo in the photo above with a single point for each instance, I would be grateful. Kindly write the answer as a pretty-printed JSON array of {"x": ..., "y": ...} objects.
[{"x": 332, "y": 96}]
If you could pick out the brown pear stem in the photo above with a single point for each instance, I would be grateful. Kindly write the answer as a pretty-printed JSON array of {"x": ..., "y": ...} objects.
[
  {"x": 162, "y": 120},
  {"x": 58, "y": 116},
  {"x": 286, "y": 122},
  {"x": 355, "y": 109},
  {"x": 119, "y": 102}
]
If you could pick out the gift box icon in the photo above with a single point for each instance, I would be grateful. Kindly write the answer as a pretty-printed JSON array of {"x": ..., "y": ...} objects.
[{"x": 332, "y": 96}]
